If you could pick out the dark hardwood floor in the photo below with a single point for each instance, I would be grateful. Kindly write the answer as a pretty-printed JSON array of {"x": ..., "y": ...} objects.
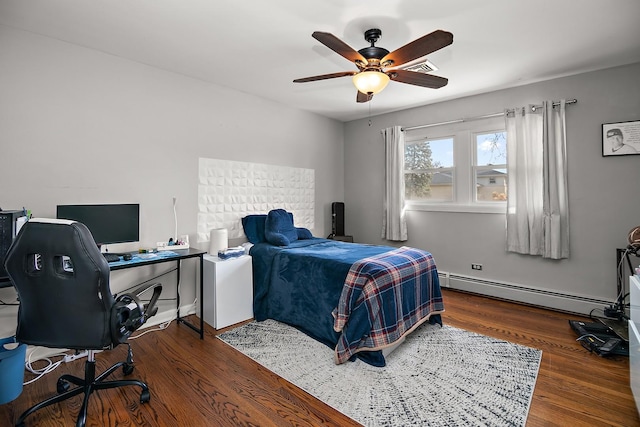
[{"x": 197, "y": 382}]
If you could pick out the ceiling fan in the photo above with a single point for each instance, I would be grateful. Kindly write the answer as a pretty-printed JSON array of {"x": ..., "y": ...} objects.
[{"x": 372, "y": 62}]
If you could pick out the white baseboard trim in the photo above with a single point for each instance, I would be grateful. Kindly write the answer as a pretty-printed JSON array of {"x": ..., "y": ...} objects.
[
  {"x": 514, "y": 292},
  {"x": 168, "y": 315}
]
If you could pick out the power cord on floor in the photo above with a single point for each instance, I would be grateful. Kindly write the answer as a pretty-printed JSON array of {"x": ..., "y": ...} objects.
[
  {"x": 51, "y": 365},
  {"x": 588, "y": 341},
  {"x": 40, "y": 372},
  {"x": 161, "y": 326}
]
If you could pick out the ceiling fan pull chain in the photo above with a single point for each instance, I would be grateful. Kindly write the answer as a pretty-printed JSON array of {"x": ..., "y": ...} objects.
[{"x": 369, "y": 113}]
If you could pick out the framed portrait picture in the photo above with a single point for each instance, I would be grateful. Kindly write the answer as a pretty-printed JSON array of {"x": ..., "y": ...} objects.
[{"x": 621, "y": 139}]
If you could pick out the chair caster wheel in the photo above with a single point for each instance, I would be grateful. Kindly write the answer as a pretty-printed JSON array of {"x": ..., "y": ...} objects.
[
  {"x": 145, "y": 396},
  {"x": 62, "y": 386},
  {"x": 127, "y": 369}
]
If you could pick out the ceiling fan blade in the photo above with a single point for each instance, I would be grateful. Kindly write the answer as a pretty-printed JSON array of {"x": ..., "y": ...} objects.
[
  {"x": 363, "y": 97},
  {"x": 418, "y": 48},
  {"x": 338, "y": 46},
  {"x": 325, "y": 76},
  {"x": 418, "y": 79}
]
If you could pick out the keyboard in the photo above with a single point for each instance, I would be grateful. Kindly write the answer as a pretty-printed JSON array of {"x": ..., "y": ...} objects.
[{"x": 111, "y": 257}]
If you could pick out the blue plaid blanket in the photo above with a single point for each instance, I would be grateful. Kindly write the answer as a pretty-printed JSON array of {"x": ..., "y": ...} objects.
[{"x": 399, "y": 290}]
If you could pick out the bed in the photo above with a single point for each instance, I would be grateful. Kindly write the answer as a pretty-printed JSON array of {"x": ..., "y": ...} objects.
[{"x": 357, "y": 299}]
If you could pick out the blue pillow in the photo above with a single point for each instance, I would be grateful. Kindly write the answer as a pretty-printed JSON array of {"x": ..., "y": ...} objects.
[
  {"x": 279, "y": 229},
  {"x": 304, "y": 233},
  {"x": 254, "y": 228}
]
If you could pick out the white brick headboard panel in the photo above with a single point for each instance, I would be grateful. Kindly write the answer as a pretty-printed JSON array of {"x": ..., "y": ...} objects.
[{"x": 229, "y": 190}]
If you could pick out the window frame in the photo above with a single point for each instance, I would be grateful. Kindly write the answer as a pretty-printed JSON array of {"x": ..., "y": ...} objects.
[{"x": 465, "y": 163}]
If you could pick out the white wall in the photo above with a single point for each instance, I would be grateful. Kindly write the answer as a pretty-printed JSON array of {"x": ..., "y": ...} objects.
[
  {"x": 81, "y": 126},
  {"x": 604, "y": 193}
]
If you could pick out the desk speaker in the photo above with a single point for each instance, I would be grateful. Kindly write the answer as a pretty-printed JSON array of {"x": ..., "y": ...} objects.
[{"x": 337, "y": 216}]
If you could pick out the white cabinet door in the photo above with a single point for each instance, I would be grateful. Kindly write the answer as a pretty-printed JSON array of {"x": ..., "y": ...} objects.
[
  {"x": 228, "y": 290},
  {"x": 634, "y": 338}
]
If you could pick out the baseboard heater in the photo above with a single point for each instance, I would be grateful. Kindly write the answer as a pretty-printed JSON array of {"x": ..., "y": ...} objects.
[{"x": 519, "y": 293}]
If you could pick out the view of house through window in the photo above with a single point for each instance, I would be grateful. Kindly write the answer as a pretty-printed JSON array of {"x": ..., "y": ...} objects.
[
  {"x": 429, "y": 170},
  {"x": 491, "y": 167},
  {"x": 462, "y": 167}
]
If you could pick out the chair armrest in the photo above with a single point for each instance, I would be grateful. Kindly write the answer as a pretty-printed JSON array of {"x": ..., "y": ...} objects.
[
  {"x": 128, "y": 314},
  {"x": 150, "y": 308}
]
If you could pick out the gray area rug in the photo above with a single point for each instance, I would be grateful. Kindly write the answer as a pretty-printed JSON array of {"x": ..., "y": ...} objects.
[{"x": 440, "y": 376}]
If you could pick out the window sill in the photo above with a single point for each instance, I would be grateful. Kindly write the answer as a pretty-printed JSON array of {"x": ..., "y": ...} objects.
[{"x": 490, "y": 208}]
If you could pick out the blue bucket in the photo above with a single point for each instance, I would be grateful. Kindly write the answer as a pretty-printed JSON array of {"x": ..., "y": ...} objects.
[{"x": 11, "y": 369}]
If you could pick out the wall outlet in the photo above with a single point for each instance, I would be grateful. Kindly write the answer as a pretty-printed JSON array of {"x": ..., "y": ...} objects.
[{"x": 476, "y": 266}]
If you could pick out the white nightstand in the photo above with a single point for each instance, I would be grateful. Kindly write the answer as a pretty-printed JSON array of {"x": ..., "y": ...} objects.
[{"x": 228, "y": 290}]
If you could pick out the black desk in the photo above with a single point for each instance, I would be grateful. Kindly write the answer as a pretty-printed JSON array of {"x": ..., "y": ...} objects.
[{"x": 139, "y": 260}]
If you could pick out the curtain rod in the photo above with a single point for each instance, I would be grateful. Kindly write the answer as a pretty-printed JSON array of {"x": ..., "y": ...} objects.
[{"x": 486, "y": 116}]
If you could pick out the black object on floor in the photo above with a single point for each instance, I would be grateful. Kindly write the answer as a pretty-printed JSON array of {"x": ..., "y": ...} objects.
[{"x": 599, "y": 338}]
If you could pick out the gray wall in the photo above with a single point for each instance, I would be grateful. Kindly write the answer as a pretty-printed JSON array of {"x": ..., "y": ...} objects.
[
  {"x": 81, "y": 126},
  {"x": 604, "y": 193}
]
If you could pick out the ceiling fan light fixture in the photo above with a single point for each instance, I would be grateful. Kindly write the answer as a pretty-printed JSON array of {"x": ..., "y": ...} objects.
[{"x": 370, "y": 82}]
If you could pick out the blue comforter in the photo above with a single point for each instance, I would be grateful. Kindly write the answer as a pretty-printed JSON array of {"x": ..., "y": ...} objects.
[{"x": 301, "y": 285}]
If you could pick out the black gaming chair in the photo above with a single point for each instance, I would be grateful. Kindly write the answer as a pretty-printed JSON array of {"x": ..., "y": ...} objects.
[{"x": 62, "y": 281}]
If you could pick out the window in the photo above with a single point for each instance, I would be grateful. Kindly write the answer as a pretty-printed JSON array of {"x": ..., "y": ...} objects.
[
  {"x": 491, "y": 167},
  {"x": 459, "y": 167},
  {"x": 429, "y": 171}
]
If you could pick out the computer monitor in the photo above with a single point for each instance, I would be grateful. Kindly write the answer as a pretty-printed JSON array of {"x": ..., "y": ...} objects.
[{"x": 114, "y": 223}]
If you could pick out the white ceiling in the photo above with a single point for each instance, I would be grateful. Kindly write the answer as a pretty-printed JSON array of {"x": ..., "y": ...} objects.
[{"x": 260, "y": 46}]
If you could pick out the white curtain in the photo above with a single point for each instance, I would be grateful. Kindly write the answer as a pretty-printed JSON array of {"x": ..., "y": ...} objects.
[
  {"x": 394, "y": 225},
  {"x": 537, "y": 200}
]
